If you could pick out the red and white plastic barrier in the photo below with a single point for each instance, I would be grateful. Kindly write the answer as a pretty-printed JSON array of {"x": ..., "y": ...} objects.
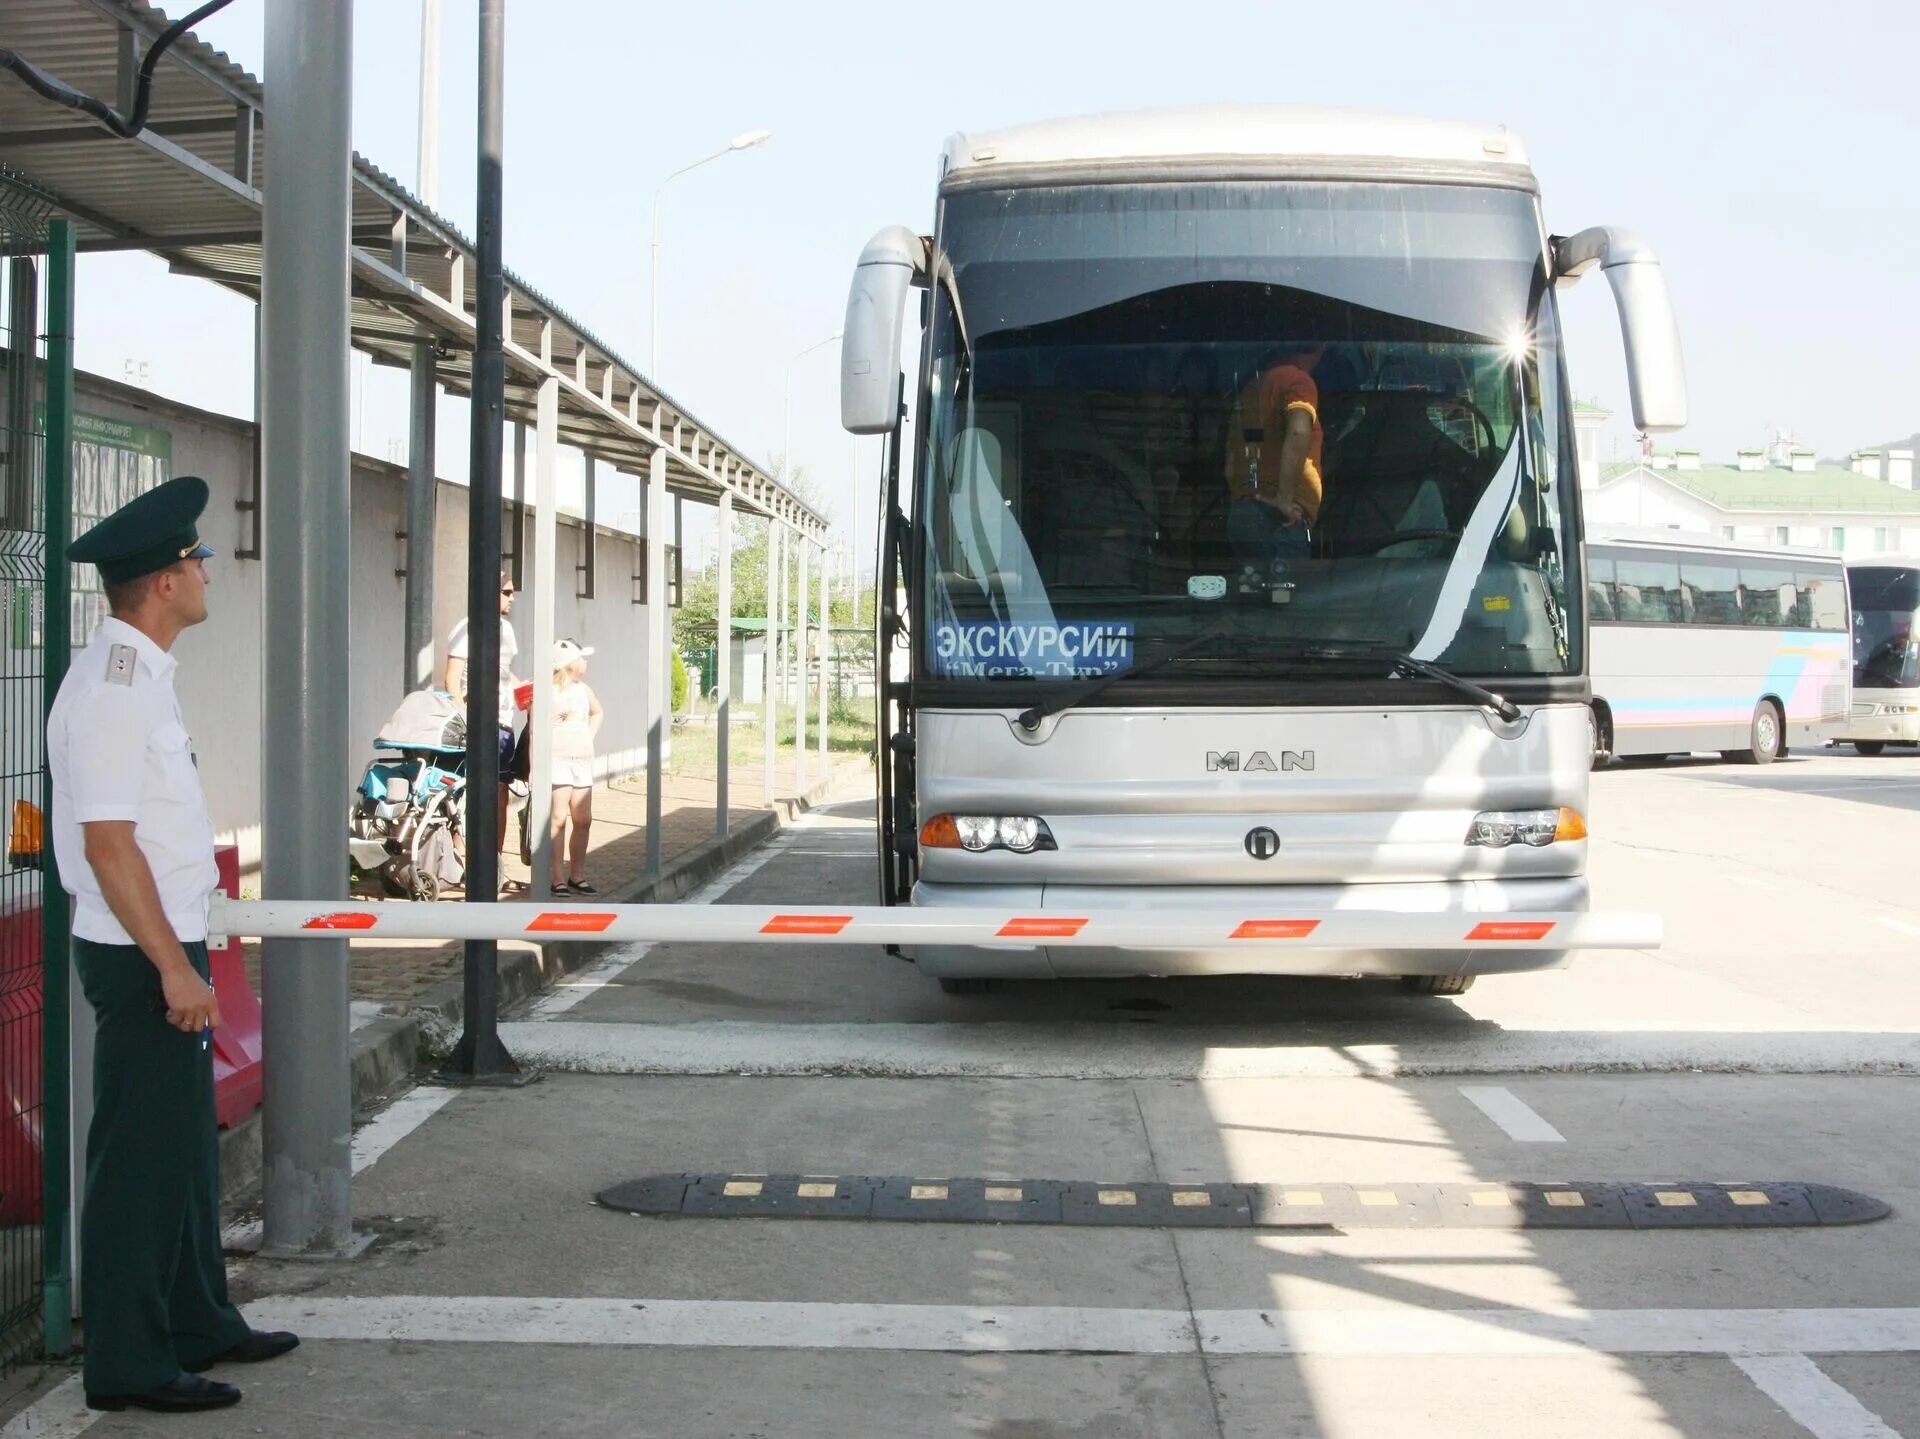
[{"x": 1144, "y": 929}]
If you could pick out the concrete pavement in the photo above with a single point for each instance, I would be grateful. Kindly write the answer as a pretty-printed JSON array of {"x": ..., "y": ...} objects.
[{"x": 500, "y": 1300}]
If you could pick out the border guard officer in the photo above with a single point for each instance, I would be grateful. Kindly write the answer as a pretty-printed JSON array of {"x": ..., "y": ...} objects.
[{"x": 135, "y": 846}]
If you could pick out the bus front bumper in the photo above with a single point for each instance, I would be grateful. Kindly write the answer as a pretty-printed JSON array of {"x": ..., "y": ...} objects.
[
  {"x": 1475, "y": 902},
  {"x": 1881, "y": 727}
]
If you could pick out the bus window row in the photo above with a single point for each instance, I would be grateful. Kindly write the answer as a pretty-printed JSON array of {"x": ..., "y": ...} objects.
[{"x": 1652, "y": 589}]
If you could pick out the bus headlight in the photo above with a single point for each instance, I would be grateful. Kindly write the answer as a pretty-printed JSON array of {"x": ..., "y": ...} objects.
[
  {"x": 1498, "y": 828},
  {"x": 976, "y": 833}
]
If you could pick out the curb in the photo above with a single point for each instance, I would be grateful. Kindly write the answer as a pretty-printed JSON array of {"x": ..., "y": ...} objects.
[{"x": 386, "y": 1056}]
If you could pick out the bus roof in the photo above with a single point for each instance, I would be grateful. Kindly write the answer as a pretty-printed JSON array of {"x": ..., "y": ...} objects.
[
  {"x": 1624, "y": 536},
  {"x": 1200, "y": 133}
]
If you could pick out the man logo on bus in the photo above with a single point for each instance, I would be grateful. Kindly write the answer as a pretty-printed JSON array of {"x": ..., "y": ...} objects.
[{"x": 1259, "y": 760}]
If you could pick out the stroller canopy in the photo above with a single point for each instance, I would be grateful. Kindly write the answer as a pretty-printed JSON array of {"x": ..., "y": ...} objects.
[{"x": 426, "y": 719}]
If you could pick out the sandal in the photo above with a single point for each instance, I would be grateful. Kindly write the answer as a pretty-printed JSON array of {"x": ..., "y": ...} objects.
[{"x": 580, "y": 886}]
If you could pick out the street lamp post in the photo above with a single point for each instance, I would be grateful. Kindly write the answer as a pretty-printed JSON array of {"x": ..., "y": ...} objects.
[{"x": 746, "y": 140}]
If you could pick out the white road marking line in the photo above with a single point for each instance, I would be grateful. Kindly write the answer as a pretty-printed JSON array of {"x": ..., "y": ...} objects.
[
  {"x": 1811, "y": 1399},
  {"x": 370, "y": 1141},
  {"x": 570, "y": 989},
  {"x": 731, "y": 1324},
  {"x": 396, "y": 1122},
  {"x": 584, "y": 983},
  {"x": 1511, "y": 1113},
  {"x": 1086, "y": 1050},
  {"x": 60, "y": 1413},
  {"x": 1898, "y": 926}
]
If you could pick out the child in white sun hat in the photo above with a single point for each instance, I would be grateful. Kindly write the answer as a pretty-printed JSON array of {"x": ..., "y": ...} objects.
[{"x": 576, "y": 720}]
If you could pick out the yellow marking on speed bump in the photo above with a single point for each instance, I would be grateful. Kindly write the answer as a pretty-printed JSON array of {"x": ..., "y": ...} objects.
[
  {"x": 1564, "y": 1198},
  {"x": 819, "y": 1191},
  {"x": 1004, "y": 1193},
  {"x": 927, "y": 1191},
  {"x": 1117, "y": 1196},
  {"x": 1491, "y": 1197},
  {"x": 1379, "y": 1198},
  {"x": 1191, "y": 1198},
  {"x": 742, "y": 1189},
  {"x": 1674, "y": 1199},
  {"x": 1748, "y": 1196},
  {"x": 1302, "y": 1196}
]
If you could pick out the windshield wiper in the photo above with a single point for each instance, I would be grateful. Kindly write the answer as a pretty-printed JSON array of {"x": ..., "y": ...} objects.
[
  {"x": 1031, "y": 718},
  {"x": 1425, "y": 669}
]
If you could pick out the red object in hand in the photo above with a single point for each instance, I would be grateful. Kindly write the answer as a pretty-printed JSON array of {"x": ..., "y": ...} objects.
[{"x": 523, "y": 696}]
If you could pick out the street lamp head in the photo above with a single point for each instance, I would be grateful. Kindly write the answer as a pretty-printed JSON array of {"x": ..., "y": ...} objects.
[{"x": 749, "y": 139}]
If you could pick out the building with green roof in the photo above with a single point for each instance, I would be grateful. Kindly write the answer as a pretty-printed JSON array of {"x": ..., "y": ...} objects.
[{"x": 1787, "y": 499}]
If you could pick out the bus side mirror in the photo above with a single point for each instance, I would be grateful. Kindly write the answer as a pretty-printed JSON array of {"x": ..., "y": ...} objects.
[
  {"x": 876, "y": 314},
  {"x": 1656, "y": 373}
]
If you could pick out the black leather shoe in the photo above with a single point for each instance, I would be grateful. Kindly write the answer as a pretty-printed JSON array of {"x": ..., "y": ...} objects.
[
  {"x": 184, "y": 1394},
  {"x": 258, "y": 1346}
]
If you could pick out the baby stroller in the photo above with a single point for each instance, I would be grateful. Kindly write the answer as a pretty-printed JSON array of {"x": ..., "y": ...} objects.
[{"x": 404, "y": 831}]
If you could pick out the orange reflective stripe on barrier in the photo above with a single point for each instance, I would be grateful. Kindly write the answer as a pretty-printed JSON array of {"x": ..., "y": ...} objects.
[
  {"x": 347, "y": 920},
  {"x": 806, "y": 924},
  {"x": 1275, "y": 929},
  {"x": 570, "y": 921},
  {"x": 1038, "y": 927},
  {"x": 1510, "y": 929}
]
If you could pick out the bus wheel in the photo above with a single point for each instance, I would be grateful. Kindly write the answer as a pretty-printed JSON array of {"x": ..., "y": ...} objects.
[
  {"x": 1764, "y": 745},
  {"x": 951, "y": 984},
  {"x": 1597, "y": 737},
  {"x": 1436, "y": 983},
  {"x": 1869, "y": 747}
]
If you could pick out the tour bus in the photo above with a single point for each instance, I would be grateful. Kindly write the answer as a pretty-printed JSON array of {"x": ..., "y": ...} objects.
[
  {"x": 1109, "y": 682},
  {"x": 1886, "y": 657},
  {"x": 1698, "y": 646}
]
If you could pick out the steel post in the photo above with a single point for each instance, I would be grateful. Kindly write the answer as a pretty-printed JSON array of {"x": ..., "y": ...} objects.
[
  {"x": 723, "y": 667},
  {"x": 659, "y": 663},
  {"x": 422, "y": 512},
  {"x": 479, "y": 1055},
  {"x": 307, "y": 1129},
  {"x": 769, "y": 659},
  {"x": 56, "y": 1049},
  {"x": 826, "y": 649},
  {"x": 800, "y": 672},
  {"x": 544, "y": 596}
]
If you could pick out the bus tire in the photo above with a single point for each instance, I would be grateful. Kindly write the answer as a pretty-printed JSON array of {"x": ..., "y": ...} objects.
[
  {"x": 1869, "y": 747},
  {"x": 964, "y": 984},
  {"x": 1766, "y": 742},
  {"x": 1599, "y": 734},
  {"x": 1436, "y": 984}
]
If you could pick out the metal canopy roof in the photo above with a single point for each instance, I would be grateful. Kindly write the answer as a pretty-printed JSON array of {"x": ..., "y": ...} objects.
[{"x": 188, "y": 189}]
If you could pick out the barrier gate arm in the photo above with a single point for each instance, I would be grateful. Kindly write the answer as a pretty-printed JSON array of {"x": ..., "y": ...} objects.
[{"x": 1145, "y": 929}]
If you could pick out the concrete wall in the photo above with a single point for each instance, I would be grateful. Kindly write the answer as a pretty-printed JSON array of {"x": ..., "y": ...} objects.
[{"x": 223, "y": 672}]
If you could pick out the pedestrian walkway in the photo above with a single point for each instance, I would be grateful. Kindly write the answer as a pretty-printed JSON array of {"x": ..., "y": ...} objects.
[{"x": 395, "y": 974}]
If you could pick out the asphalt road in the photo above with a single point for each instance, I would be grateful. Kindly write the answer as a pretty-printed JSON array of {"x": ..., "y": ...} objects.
[{"x": 1771, "y": 1038}]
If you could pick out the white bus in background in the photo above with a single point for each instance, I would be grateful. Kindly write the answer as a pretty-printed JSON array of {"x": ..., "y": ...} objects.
[
  {"x": 1101, "y": 702},
  {"x": 1698, "y": 646},
  {"x": 1886, "y": 657}
]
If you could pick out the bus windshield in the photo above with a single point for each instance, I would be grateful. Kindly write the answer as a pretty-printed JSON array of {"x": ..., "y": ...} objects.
[
  {"x": 1328, "y": 416},
  {"x": 1886, "y": 651}
]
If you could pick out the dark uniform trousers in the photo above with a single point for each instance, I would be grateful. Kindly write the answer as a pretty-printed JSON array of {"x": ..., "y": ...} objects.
[{"x": 153, "y": 1281}]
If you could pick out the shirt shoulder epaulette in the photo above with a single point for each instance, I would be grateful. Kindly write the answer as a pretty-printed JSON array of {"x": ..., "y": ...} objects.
[{"x": 122, "y": 661}]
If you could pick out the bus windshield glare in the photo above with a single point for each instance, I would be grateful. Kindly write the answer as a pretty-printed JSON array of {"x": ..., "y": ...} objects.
[{"x": 1245, "y": 429}]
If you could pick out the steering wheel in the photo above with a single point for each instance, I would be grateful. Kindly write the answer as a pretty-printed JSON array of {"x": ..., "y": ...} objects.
[{"x": 1401, "y": 537}]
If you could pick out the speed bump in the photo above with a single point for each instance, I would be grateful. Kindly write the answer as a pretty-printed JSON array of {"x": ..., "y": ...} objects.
[{"x": 1302, "y": 1204}]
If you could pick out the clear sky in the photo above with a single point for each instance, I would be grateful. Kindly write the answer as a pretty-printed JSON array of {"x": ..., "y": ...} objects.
[{"x": 1766, "y": 149}]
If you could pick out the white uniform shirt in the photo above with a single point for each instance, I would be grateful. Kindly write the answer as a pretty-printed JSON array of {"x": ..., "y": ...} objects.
[
  {"x": 459, "y": 646},
  {"x": 118, "y": 750}
]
